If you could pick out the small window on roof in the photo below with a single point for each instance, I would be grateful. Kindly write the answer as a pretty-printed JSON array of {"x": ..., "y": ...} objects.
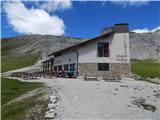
[
  {"x": 57, "y": 54},
  {"x": 82, "y": 44}
]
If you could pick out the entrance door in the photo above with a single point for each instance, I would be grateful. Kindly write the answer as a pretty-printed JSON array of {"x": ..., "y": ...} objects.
[
  {"x": 72, "y": 67},
  {"x": 72, "y": 70}
]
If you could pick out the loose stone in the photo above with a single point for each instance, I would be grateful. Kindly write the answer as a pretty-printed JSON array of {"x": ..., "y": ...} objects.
[
  {"x": 53, "y": 100},
  {"x": 50, "y": 106},
  {"x": 49, "y": 114},
  {"x": 52, "y": 97}
]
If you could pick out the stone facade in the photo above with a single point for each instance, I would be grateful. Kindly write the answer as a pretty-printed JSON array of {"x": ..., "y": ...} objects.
[
  {"x": 91, "y": 69},
  {"x": 123, "y": 69}
]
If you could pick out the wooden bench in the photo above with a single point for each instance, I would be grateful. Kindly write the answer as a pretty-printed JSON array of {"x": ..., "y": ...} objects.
[
  {"x": 111, "y": 77},
  {"x": 90, "y": 77}
]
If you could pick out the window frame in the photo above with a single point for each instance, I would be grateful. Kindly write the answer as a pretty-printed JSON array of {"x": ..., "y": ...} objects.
[
  {"x": 66, "y": 65},
  {"x": 103, "y": 53}
]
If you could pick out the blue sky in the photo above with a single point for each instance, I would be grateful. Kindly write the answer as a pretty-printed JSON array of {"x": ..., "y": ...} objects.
[{"x": 76, "y": 19}]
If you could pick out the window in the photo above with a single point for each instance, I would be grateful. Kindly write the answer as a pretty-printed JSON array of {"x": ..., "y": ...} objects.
[
  {"x": 103, "y": 66},
  {"x": 103, "y": 49},
  {"x": 59, "y": 68},
  {"x": 55, "y": 68},
  {"x": 65, "y": 67}
]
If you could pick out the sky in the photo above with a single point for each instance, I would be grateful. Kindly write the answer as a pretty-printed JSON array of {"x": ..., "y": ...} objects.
[{"x": 81, "y": 19}]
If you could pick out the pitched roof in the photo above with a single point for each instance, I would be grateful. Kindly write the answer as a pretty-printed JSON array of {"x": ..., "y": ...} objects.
[{"x": 104, "y": 35}]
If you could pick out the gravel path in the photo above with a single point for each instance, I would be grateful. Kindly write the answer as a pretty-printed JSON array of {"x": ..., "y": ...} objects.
[{"x": 79, "y": 99}]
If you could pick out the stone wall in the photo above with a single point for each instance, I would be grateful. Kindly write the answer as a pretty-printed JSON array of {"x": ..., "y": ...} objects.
[
  {"x": 91, "y": 69},
  {"x": 123, "y": 69}
]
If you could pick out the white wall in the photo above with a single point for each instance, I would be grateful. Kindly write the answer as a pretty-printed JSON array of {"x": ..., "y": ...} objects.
[
  {"x": 120, "y": 48},
  {"x": 118, "y": 54},
  {"x": 88, "y": 53},
  {"x": 67, "y": 57}
]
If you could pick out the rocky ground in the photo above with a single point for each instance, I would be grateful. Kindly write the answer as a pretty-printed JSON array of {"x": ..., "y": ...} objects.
[
  {"x": 79, "y": 99},
  {"x": 145, "y": 46}
]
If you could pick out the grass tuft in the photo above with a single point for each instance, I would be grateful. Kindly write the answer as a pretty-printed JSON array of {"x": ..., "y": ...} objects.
[{"x": 141, "y": 103}]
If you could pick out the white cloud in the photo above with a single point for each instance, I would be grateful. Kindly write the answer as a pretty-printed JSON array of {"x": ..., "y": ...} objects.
[
  {"x": 146, "y": 30},
  {"x": 52, "y": 6},
  {"x": 32, "y": 21},
  {"x": 130, "y": 2}
]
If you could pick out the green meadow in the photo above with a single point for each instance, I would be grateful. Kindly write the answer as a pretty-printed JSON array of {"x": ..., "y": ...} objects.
[
  {"x": 9, "y": 59},
  {"x": 146, "y": 68},
  {"x": 11, "y": 88},
  {"x": 17, "y": 62}
]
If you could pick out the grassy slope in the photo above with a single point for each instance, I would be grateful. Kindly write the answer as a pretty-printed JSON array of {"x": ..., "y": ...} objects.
[
  {"x": 13, "y": 88},
  {"x": 146, "y": 68},
  {"x": 10, "y": 44},
  {"x": 16, "y": 62}
]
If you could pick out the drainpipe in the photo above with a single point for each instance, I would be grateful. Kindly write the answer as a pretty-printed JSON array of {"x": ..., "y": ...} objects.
[{"x": 77, "y": 61}]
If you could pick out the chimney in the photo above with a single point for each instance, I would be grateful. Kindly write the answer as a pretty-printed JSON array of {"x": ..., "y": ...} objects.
[{"x": 121, "y": 28}]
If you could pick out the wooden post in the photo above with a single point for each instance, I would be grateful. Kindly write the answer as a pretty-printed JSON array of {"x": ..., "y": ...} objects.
[
  {"x": 47, "y": 68},
  {"x": 51, "y": 65},
  {"x": 43, "y": 68}
]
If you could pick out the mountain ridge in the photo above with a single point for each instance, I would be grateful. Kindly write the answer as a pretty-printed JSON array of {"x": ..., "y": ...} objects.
[{"x": 142, "y": 45}]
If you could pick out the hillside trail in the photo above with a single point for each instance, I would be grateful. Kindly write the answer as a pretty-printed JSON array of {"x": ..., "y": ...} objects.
[{"x": 36, "y": 67}]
